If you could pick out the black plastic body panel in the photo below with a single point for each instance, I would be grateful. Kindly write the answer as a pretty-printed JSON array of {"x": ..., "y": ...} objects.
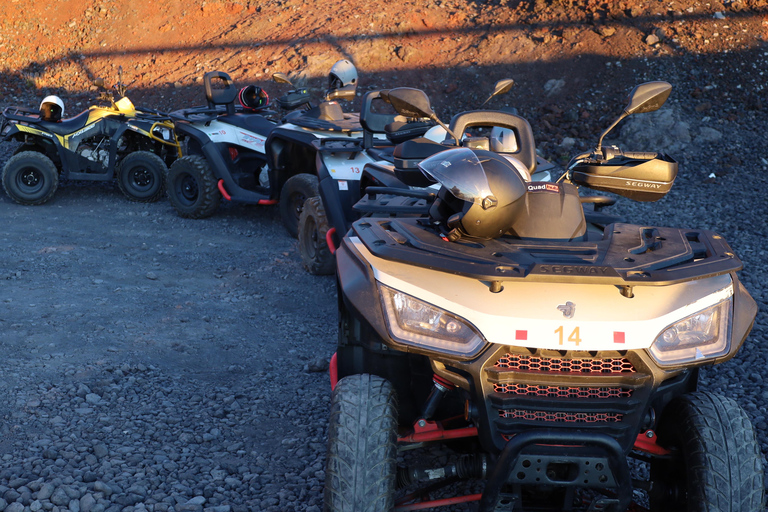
[{"x": 627, "y": 255}]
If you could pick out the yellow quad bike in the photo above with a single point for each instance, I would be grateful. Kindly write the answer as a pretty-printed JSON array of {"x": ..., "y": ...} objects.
[{"x": 100, "y": 144}]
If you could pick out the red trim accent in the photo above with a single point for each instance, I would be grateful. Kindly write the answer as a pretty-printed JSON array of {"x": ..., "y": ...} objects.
[
  {"x": 647, "y": 444},
  {"x": 521, "y": 335},
  {"x": 267, "y": 201},
  {"x": 224, "y": 191},
  {"x": 444, "y": 382},
  {"x": 439, "y": 503},
  {"x": 434, "y": 431},
  {"x": 329, "y": 240},
  {"x": 618, "y": 337},
  {"x": 333, "y": 369}
]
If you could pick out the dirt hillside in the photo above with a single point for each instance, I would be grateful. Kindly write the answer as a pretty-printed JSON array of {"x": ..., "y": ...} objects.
[{"x": 568, "y": 57}]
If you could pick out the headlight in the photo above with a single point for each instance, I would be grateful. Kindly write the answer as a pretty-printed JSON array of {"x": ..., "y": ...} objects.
[
  {"x": 414, "y": 322},
  {"x": 703, "y": 335}
]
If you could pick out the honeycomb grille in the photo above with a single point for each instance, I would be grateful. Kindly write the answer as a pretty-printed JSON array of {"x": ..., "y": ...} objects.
[
  {"x": 555, "y": 365},
  {"x": 561, "y": 417},
  {"x": 561, "y": 391}
]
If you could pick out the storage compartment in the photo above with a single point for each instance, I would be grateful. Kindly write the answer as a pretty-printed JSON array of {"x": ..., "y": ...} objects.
[{"x": 638, "y": 179}]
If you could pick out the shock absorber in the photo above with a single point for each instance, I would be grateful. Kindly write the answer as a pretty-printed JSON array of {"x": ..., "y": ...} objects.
[{"x": 440, "y": 388}]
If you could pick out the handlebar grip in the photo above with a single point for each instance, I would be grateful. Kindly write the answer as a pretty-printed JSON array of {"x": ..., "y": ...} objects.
[{"x": 640, "y": 155}]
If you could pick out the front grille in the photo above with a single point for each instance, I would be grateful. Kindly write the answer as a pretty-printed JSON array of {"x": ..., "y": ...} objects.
[
  {"x": 560, "y": 417},
  {"x": 534, "y": 364},
  {"x": 561, "y": 391},
  {"x": 567, "y": 390}
]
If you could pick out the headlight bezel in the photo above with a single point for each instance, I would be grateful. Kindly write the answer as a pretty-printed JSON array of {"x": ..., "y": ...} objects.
[
  {"x": 403, "y": 331},
  {"x": 669, "y": 350}
]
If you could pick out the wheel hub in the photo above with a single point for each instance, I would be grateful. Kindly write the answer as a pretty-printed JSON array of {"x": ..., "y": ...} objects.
[
  {"x": 142, "y": 178},
  {"x": 188, "y": 188},
  {"x": 30, "y": 178}
]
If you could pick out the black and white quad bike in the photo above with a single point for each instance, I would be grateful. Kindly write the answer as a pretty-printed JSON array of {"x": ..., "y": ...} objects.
[
  {"x": 224, "y": 149},
  {"x": 411, "y": 134},
  {"x": 555, "y": 352},
  {"x": 292, "y": 147},
  {"x": 113, "y": 139}
]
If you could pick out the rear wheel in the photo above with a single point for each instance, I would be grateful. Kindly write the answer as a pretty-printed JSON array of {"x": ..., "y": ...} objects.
[
  {"x": 142, "y": 177},
  {"x": 313, "y": 226},
  {"x": 716, "y": 464},
  {"x": 295, "y": 192},
  {"x": 362, "y": 446},
  {"x": 192, "y": 188},
  {"x": 30, "y": 178}
]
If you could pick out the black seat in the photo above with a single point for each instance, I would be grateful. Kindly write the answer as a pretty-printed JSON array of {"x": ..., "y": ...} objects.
[{"x": 67, "y": 126}]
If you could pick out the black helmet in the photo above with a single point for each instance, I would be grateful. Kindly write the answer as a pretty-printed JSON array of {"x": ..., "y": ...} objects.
[
  {"x": 253, "y": 98},
  {"x": 479, "y": 195}
]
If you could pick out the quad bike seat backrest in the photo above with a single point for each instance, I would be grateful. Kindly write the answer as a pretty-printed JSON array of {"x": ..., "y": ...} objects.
[
  {"x": 220, "y": 96},
  {"x": 397, "y": 128},
  {"x": 526, "y": 146},
  {"x": 373, "y": 122}
]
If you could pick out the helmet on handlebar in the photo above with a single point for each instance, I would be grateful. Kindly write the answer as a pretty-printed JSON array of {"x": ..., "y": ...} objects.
[
  {"x": 342, "y": 74},
  {"x": 253, "y": 98},
  {"x": 52, "y": 109},
  {"x": 480, "y": 194}
]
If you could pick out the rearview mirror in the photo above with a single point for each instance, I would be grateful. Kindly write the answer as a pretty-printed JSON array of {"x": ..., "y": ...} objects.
[
  {"x": 410, "y": 102},
  {"x": 501, "y": 87},
  {"x": 648, "y": 97},
  {"x": 644, "y": 98},
  {"x": 281, "y": 78}
]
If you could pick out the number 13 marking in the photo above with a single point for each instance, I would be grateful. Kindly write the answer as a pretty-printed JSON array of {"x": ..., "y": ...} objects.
[{"x": 574, "y": 337}]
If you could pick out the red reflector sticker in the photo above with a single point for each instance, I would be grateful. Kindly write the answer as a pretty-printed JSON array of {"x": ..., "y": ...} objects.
[
  {"x": 618, "y": 337},
  {"x": 521, "y": 335}
]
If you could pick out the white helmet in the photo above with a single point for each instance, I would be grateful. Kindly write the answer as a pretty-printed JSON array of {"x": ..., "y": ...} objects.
[
  {"x": 342, "y": 74},
  {"x": 52, "y": 108}
]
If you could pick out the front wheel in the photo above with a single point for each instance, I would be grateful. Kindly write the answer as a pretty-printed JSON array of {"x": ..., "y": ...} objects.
[
  {"x": 295, "y": 192},
  {"x": 30, "y": 178},
  {"x": 313, "y": 226},
  {"x": 142, "y": 177},
  {"x": 716, "y": 464},
  {"x": 362, "y": 446},
  {"x": 192, "y": 188}
]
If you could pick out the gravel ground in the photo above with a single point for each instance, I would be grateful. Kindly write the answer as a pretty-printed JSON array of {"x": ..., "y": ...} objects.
[
  {"x": 156, "y": 363},
  {"x": 162, "y": 364}
]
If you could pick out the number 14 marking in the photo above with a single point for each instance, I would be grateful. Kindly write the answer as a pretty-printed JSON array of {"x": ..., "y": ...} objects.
[{"x": 574, "y": 337}]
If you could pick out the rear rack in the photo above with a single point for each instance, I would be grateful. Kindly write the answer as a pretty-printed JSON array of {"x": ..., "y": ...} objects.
[
  {"x": 24, "y": 114},
  {"x": 627, "y": 255}
]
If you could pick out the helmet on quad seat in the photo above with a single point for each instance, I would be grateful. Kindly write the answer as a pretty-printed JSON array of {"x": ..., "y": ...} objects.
[
  {"x": 52, "y": 109},
  {"x": 343, "y": 74},
  {"x": 480, "y": 194},
  {"x": 253, "y": 98}
]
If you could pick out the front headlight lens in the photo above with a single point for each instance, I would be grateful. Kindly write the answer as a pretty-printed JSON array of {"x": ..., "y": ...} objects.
[
  {"x": 701, "y": 336},
  {"x": 417, "y": 323}
]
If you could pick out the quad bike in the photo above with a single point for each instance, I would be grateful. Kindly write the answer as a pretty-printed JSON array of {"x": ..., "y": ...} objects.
[
  {"x": 295, "y": 146},
  {"x": 224, "y": 152},
  {"x": 411, "y": 136},
  {"x": 543, "y": 343},
  {"x": 99, "y": 144}
]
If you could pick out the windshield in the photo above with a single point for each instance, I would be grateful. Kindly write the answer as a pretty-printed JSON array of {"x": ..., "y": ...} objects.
[{"x": 460, "y": 171}]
